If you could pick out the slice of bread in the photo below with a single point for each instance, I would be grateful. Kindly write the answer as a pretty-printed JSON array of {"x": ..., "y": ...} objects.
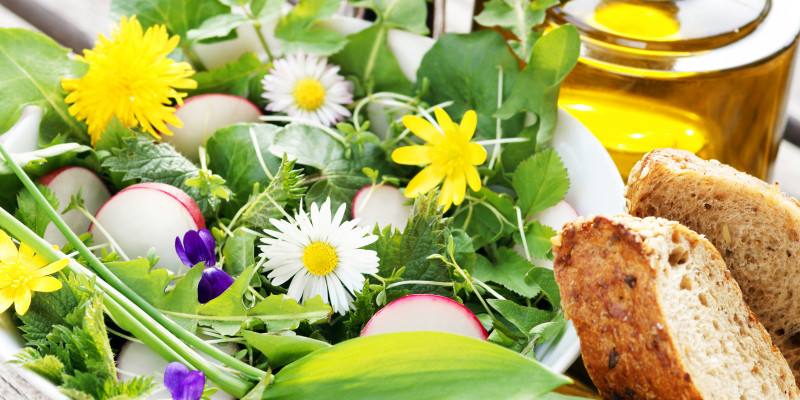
[
  {"x": 754, "y": 226},
  {"x": 659, "y": 316}
]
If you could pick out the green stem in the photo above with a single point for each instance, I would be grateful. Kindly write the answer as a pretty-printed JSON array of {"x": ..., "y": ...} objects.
[
  {"x": 116, "y": 285},
  {"x": 257, "y": 27},
  {"x": 193, "y": 58}
]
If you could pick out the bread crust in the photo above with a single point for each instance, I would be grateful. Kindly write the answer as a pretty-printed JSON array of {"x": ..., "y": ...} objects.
[
  {"x": 754, "y": 226},
  {"x": 610, "y": 271}
]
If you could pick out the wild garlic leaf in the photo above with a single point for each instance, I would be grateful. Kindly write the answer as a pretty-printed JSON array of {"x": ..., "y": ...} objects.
[
  {"x": 145, "y": 160},
  {"x": 367, "y": 58},
  {"x": 178, "y": 16},
  {"x": 33, "y": 215},
  {"x": 509, "y": 271},
  {"x": 281, "y": 350},
  {"x": 31, "y": 68},
  {"x": 285, "y": 191},
  {"x": 541, "y": 181},
  {"x": 410, "y": 15},
  {"x": 233, "y": 156},
  {"x": 429, "y": 365},
  {"x": 465, "y": 69},
  {"x": 523, "y": 318},
  {"x": 297, "y": 29},
  {"x": 233, "y": 78},
  {"x": 536, "y": 89}
]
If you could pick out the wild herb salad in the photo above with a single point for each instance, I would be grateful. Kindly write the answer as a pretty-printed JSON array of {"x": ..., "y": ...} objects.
[{"x": 278, "y": 263}]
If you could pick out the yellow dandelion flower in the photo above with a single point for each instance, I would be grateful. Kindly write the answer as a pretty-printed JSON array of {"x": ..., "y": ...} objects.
[
  {"x": 131, "y": 77},
  {"x": 449, "y": 154},
  {"x": 22, "y": 273}
]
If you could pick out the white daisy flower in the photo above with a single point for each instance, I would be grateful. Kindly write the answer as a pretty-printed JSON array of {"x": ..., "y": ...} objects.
[
  {"x": 321, "y": 255},
  {"x": 307, "y": 87}
]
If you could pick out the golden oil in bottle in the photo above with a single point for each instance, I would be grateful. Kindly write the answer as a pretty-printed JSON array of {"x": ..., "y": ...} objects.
[{"x": 708, "y": 76}]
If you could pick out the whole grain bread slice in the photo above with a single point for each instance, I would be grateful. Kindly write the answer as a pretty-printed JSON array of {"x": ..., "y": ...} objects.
[
  {"x": 754, "y": 226},
  {"x": 659, "y": 316}
]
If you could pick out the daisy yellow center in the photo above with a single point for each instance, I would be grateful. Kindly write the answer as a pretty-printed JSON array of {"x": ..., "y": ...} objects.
[
  {"x": 320, "y": 258},
  {"x": 309, "y": 94},
  {"x": 14, "y": 275}
]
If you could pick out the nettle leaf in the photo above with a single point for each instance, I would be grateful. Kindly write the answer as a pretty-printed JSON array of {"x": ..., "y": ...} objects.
[
  {"x": 367, "y": 57},
  {"x": 285, "y": 189},
  {"x": 49, "y": 366},
  {"x": 233, "y": 78},
  {"x": 31, "y": 68},
  {"x": 178, "y": 16},
  {"x": 536, "y": 90},
  {"x": 537, "y": 237},
  {"x": 233, "y": 155},
  {"x": 33, "y": 215},
  {"x": 423, "y": 237},
  {"x": 486, "y": 219},
  {"x": 510, "y": 272},
  {"x": 410, "y": 15},
  {"x": 465, "y": 69},
  {"x": 297, "y": 30},
  {"x": 541, "y": 181},
  {"x": 48, "y": 310},
  {"x": 427, "y": 365},
  {"x": 281, "y": 349},
  {"x": 145, "y": 160}
]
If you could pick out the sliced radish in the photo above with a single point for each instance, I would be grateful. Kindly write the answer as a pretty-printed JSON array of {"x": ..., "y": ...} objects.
[
  {"x": 136, "y": 359},
  {"x": 148, "y": 215},
  {"x": 202, "y": 115},
  {"x": 425, "y": 312},
  {"x": 382, "y": 205},
  {"x": 65, "y": 182},
  {"x": 557, "y": 215}
]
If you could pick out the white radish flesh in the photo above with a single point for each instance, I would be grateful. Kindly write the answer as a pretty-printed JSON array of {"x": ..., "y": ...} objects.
[
  {"x": 66, "y": 182},
  {"x": 383, "y": 205}
]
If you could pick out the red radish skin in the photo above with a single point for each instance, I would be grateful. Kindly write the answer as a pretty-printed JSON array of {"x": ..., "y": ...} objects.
[
  {"x": 383, "y": 206},
  {"x": 425, "y": 312},
  {"x": 148, "y": 215},
  {"x": 65, "y": 182},
  {"x": 202, "y": 115}
]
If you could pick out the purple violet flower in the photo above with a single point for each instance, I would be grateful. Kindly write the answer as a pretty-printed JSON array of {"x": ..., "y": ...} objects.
[
  {"x": 213, "y": 282},
  {"x": 197, "y": 246},
  {"x": 182, "y": 383}
]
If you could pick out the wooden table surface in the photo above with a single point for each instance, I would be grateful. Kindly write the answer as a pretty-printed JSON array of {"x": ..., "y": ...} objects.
[{"x": 76, "y": 23}]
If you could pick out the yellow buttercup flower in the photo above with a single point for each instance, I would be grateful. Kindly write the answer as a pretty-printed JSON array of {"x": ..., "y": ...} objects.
[
  {"x": 131, "y": 77},
  {"x": 22, "y": 273},
  {"x": 451, "y": 155}
]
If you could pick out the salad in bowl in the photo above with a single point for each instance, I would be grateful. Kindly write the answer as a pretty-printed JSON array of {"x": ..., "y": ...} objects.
[{"x": 241, "y": 199}]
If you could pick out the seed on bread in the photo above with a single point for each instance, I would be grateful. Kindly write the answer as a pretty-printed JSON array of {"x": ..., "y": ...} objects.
[
  {"x": 754, "y": 226},
  {"x": 659, "y": 316}
]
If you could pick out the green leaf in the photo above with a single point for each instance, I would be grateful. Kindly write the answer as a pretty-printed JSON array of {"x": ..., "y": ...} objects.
[
  {"x": 524, "y": 318},
  {"x": 150, "y": 284},
  {"x": 410, "y": 15},
  {"x": 519, "y": 17},
  {"x": 284, "y": 189},
  {"x": 423, "y": 237},
  {"x": 543, "y": 278},
  {"x": 217, "y": 27},
  {"x": 266, "y": 10},
  {"x": 540, "y": 181},
  {"x": 239, "y": 251},
  {"x": 413, "y": 365},
  {"x": 509, "y": 272},
  {"x": 306, "y": 144},
  {"x": 233, "y": 156},
  {"x": 233, "y": 78},
  {"x": 296, "y": 28},
  {"x": 31, "y": 68},
  {"x": 280, "y": 349},
  {"x": 367, "y": 57},
  {"x": 280, "y": 313},
  {"x": 486, "y": 219},
  {"x": 33, "y": 215},
  {"x": 536, "y": 89},
  {"x": 178, "y": 16},
  {"x": 49, "y": 366},
  {"x": 465, "y": 69},
  {"x": 145, "y": 160},
  {"x": 537, "y": 236}
]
